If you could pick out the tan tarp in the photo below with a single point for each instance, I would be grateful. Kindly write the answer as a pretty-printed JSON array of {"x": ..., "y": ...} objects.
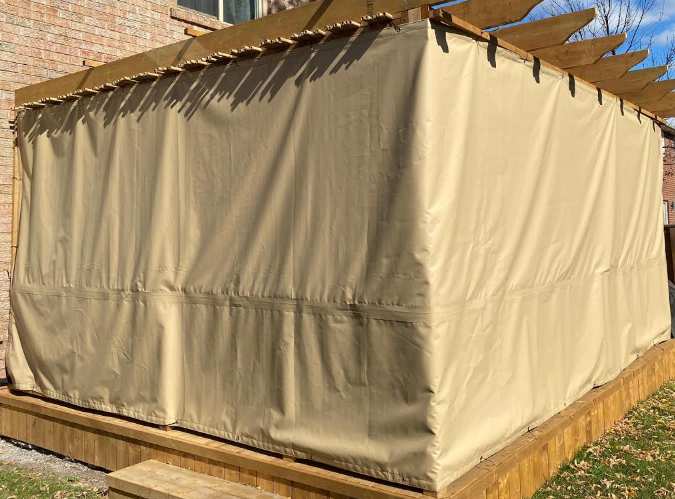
[{"x": 392, "y": 255}]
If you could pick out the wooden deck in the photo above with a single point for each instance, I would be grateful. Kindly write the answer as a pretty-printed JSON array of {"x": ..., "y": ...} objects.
[
  {"x": 517, "y": 471},
  {"x": 160, "y": 480}
]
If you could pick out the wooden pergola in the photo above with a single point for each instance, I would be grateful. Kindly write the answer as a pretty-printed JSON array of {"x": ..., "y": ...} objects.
[
  {"x": 546, "y": 40},
  {"x": 518, "y": 470}
]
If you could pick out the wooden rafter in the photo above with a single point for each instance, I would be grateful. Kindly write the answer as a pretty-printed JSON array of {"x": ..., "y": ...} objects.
[
  {"x": 546, "y": 32},
  {"x": 651, "y": 94},
  {"x": 632, "y": 81},
  {"x": 450, "y": 21},
  {"x": 488, "y": 13},
  {"x": 574, "y": 54},
  {"x": 195, "y": 32},
  {"x": 312, "y": 15},
  {"x": 610, "y": 67},
  {"x": 669, "y": 113},
  {"x": 664, "y": 104},
  {"x": 327, "y": 17}
]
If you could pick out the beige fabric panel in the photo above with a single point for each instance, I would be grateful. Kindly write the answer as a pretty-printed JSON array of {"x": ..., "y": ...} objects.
[
  {"x": 392, "y": 254},
  {"x": 547, "y": 265}
]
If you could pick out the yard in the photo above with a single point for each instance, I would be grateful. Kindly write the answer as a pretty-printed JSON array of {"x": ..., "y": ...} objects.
[
  {"x": 20, "y": 483},
  {"x": 26, "y": 473},
  {"x": 635, "y": 459}
]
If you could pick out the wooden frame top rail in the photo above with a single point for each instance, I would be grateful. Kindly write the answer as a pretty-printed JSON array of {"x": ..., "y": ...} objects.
[
  {"x": 455, "y": 22},
  {"x": 298, "y": 20},
  {"x": 317, "y": 19}
]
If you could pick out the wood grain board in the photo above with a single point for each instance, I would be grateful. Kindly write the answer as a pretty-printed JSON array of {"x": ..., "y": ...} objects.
[
  {"x": 488, "y": 13},
  {"x": 580, "y": 53},
  {"x": 632, "y": 81},
  {"x": 653, "y": 92},
  {"x": 515, "y": 472},
  {"x": 664, "y": 103},
  {"x": 545, "y": 38},
  {"x": 308, "y": 16},
  {"x": 610, "y": 67},
  {"x": 548, "y": 32},
  {"x": 194, "y": 32},
  {"x": 153, "y": 478}
]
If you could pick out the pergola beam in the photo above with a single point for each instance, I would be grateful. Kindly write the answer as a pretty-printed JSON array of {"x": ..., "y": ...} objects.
[
  {"x": 652, "y": 93},
  {"x": 610, "y": 67},
  {"x": 581, "y": 53},
  {"x": 665, "y": 104},
  {"x": 632, "y": 81},
  {"x": 544, "y": 39},
  {"x": 548, "y": 32},
  {"x": 489, "y": 13},
  {"x": 309, "y": 16}
]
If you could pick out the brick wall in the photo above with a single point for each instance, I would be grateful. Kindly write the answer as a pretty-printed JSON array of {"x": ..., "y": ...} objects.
[
  {"x": 43, "y": 39},
  {"x": 669, "y": 177}
]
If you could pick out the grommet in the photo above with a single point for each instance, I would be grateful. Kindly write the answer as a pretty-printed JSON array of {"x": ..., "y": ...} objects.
[
  {"x": 343, "y": 27},
  {"x": 308, "y": 36},
  {"x": 247, "y": 51},
  {"x": 277, "y": 43}
]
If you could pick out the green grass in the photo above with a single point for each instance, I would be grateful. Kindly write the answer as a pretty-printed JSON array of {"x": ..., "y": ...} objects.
[
  {"x": 635, "y": 459},
  {"x": 18, "y": 483}
]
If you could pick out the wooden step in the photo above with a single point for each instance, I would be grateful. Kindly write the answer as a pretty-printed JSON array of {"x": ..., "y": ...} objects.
[{"x": 152, "y": 479}]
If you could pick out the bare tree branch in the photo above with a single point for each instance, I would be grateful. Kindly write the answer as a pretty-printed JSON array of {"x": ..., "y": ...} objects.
[{"x": 613, "y": 17}]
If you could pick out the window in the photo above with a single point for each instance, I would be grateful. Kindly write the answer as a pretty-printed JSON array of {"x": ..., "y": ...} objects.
[{"x": 229, "y": 11}]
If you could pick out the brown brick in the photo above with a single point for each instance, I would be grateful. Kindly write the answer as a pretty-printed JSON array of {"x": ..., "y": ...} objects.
[{"x": 669, "y": 177}]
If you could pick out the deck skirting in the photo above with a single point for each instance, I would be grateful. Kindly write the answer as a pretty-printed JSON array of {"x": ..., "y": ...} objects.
[{"x": 112, "y": 443}]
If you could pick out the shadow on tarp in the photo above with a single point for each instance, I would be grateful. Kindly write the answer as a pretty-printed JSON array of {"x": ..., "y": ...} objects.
[{"x": 240, "y": 82}]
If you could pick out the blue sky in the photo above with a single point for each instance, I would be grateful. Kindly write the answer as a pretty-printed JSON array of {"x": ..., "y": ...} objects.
[
  {"x": 662, "y": 25},
  {"x": 657, "y": 26},
  {"x": 657, "y": 29}
]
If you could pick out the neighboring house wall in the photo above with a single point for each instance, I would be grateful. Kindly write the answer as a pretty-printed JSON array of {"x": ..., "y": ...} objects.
[
  {"x": 44, "y": 39},
  {"x": 669, "y": 176}
]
